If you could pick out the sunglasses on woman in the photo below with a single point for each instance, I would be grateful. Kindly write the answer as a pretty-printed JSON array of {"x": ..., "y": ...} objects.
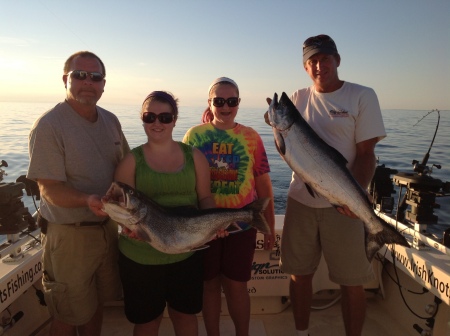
[
  {"x": 231, "y": 102},
  {"x": 164, "y": 118},
  {"x": 82, "y": 75}
]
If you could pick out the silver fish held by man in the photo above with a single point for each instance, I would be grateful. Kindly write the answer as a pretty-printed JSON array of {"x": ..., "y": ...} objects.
[
  {"x": 324, "y": 171},
  {"x": 179, "y": 229}
]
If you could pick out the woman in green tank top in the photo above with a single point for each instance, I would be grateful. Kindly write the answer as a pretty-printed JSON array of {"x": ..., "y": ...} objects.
[{"x": 172, "y": 174}]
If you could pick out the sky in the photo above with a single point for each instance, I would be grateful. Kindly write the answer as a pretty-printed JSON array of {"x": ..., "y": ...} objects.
[{"x": 400, "y": 48}]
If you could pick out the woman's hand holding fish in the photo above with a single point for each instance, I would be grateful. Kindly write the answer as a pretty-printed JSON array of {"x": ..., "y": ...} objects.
[
  {"x": 269, "y": 241},
  {"x": 222, "y": 233}
]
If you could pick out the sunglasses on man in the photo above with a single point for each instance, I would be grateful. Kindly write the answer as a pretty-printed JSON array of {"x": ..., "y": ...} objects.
[{"x": 82, "y": 75}]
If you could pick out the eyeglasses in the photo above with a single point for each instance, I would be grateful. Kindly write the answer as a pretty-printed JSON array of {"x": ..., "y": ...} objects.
[
  {"x": 317, "y": 41},
  {"x": 164, "y": 118},
  {"x": 82, "y": 75},
  {"x": 219, "y": 102}
]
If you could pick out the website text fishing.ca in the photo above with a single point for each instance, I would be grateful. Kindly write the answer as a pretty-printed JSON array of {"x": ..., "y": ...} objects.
[
  {"x": 427, "y": 275},
  {"x": 19, "y": 280}
]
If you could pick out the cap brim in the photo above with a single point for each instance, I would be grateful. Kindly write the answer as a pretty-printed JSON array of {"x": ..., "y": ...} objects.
[{"x": 313, "y": 51}]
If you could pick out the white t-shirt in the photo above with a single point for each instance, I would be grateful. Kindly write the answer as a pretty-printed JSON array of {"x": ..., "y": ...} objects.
[{"x": 342, "y": 119}]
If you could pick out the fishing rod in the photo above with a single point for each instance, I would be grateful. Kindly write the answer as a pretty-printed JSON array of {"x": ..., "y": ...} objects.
[
  {"x": 422, "y": 168},
  {"x": 420, "y": 197},
  {"x": 420, "y": 192}
]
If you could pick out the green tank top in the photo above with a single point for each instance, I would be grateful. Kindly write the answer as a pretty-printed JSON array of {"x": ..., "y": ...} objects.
[{"x": 166, "y": 189}]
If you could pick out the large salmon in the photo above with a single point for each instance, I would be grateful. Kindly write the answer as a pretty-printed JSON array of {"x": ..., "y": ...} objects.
[
  {"x": 180, "y": 229},
  {"x": 324, "y": 171}
]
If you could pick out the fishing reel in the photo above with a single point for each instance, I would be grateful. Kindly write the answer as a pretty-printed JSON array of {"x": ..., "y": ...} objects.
[
  {"x": 421, "y": 193},
  {"x": 418, "y": 202},
  {"x": 3, "y": 163},
  {"x": 422, "y": 190},
  {"x": 14, "y": 216}
]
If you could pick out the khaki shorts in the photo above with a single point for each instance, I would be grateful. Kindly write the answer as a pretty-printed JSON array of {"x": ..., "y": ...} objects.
[
  {"x": 80, "y": 270},
  {"x": 309, "y": 232}
]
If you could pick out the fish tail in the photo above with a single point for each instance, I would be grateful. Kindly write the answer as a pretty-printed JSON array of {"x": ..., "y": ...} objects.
[
  {"x": 259, "y": 221},
  {"x": 389, "y": 235}
]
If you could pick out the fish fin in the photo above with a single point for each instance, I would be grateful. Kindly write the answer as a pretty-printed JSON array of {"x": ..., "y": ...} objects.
[
  {"x": 389, "y": 235},
  {"x": 233, "y": 228},
  {"x": 200, "y": 248},
  {"x": 279, "y": 142},
  {"x": 259, "y": 221},
  {"x": 140, "y": 233},
  {"x": 311, "y": 191},
  {"x": 183, "y": 211}
]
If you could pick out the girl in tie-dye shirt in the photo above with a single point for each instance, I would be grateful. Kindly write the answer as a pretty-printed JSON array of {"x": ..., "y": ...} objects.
[{"x": 239, "y": 175}]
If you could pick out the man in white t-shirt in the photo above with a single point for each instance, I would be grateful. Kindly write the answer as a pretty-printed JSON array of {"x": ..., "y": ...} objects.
[{"x": 347, "y": 116}]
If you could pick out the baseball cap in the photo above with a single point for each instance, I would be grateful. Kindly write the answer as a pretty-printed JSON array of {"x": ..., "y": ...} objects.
[{"x": 318, "y": 44}]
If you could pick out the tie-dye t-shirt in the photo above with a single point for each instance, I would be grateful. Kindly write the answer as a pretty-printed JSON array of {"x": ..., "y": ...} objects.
[{"x": 236, "y": 156}]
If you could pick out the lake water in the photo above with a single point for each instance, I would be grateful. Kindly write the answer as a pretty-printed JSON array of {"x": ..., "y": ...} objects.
[{"x": 404, "y": 143}]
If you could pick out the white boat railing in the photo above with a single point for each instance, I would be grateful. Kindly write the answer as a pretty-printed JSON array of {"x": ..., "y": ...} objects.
[
  {"x": 20, "y": 266},
  {"x": 414, "y": 233},
  {"x": 13, "y": 247}
]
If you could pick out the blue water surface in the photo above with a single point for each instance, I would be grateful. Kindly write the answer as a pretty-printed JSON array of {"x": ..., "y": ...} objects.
[{"x": 407, "y": 140}]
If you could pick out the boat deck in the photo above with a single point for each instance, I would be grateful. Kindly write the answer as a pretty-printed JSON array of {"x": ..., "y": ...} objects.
[
  {"x": 386, "y": 314},
  {"x": 323, "y": 322},
  {"x": 404, "y": 289}
]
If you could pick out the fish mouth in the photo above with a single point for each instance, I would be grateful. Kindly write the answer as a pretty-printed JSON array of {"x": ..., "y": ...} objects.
[
  {"x": 280, "y": 117},
  {"x": 275, "y": 118},
  {"x": 272, "y": 108},
  {"x": 116, "y": 195},
  {"x": 120, "y": 206}
]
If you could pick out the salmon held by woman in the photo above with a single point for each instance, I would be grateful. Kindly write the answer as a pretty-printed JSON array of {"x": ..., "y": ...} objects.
[{"x": 179, "y": 229}]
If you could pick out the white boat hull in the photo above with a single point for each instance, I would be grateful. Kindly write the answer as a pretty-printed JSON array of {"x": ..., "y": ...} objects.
[{"x": 269, "y": 292}]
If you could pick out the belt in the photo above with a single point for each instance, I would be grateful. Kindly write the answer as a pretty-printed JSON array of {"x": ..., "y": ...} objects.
[{"x": 88, "y": 223}]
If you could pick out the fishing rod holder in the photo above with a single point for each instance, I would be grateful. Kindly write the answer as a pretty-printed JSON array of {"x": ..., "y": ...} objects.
[
  {"x": 14, "y": 216},
  {"x": 421, "y": 191},
  {"x": 381, "y": 188},
  {"x": 13, "y": 213},
  {"x": 420, "y": 196},
  {"x": 3, "y": 163},
  {"x": 418, "y": 202}
]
